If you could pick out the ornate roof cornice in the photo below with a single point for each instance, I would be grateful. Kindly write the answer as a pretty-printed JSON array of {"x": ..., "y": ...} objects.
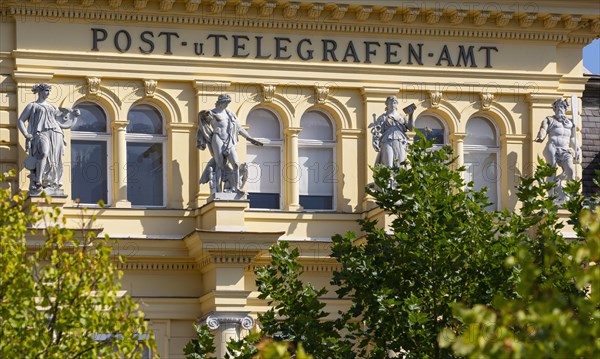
[{"x": 576, "y": 24}]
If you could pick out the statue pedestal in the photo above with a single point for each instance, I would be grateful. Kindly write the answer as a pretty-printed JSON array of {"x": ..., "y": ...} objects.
[{"x": 223, "y": 212}]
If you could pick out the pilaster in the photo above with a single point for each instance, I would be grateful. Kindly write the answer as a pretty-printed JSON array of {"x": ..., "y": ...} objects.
[
  {"x": 292, "y": 170},
  {"x": 120, "y": 165}
]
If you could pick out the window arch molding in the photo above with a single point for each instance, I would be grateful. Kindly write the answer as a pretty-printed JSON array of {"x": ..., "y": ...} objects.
[{"x": 280, "y": 106}]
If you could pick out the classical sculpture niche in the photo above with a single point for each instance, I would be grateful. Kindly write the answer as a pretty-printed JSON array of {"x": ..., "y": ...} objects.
[
  {"x": 218, "y": 130},
  {"x": 45, "y": 142}
]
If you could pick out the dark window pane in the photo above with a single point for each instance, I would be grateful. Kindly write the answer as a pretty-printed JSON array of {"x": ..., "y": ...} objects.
[
  {"x": 316, "y": 202},
  {"x": 145, "y": 174},
  {"x": 264, "y": 200},
  {"x": 88, "y": 171},
  {"x": 435, "y": 135},
  {"x": 144, "y": 119},
  {"x": 92, "y": 118}
]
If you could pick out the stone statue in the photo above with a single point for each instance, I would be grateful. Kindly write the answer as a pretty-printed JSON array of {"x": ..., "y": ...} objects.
[
  {"x": 389, "y": 133},
  {"x": 45, "y": 142},
  {"x": 561, "y": 148},
  {"x": 218, "y": 129}
]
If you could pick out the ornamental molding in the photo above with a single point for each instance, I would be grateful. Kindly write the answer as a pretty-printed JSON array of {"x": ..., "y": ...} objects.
[
  {"x": 435, "y": 98},
  {"x": 486, "y": 100},
  {"x": 241, "y": 319},
  {"x": 386, "y": 21},
  {"x": 268, "y": 92},
  {"x": 150, "y": 87},
  {"x": 150, "y": 266},
  {"x": 321, "y": 94},
  {"x": 93, "y": 85}
]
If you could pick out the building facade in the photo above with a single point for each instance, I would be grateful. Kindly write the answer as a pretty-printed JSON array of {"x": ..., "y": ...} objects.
[{"x": 306, "y": 79}]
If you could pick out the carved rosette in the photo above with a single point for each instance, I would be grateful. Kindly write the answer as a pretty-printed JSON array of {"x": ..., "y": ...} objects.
[
  {"x": 93, "y": 85},
  {"x": 166, "y": 5},
  {"x": 114, "y": 3},
  {"x": 291, "y": 10},
  {"x": 268, "y": 92},
  {"x": 214, "y": 321},
  {"x": 149, "y": 87},
  {"x": 596, "y": 27},
  {"x": 435, "y": 97},
  {"x": 321, "y": 94},
  {"x": 192, "y": 5},
  {"x": 486, "y": 100},
  {"x": 503, "y": 18}
]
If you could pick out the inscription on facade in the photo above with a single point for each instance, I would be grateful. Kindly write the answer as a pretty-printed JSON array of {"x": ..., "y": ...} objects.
[{"x": 289, "y": 48}]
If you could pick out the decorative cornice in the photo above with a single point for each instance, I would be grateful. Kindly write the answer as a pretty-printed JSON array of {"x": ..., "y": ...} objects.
[
  {"x": 149, "y": 87},
  {"x": 363, "y": 12},
  {"x": 140, "y": 4},
  {"x": 149, "y": 266},
  {"x": 210, "y": 87},
  {"x": 291, "y": 10},
  {"x": 385, "y": 22},
  {"x": 192, "y": 5},
  {"x": 166, "y": 5},
  {"x": 93, "y": 85},
  {"x": 114, "y": 3},
  {"x": 315, "y": 10},
  {"x": 433, "y": 16}
]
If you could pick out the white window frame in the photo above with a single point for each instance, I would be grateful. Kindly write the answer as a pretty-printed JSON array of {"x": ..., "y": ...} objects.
[
  {"x": 97, "y": 136},
  {"x": 148, "y": 138},
  {"x": 488, "y": 150},
  {"x": 305, "y": 143}
]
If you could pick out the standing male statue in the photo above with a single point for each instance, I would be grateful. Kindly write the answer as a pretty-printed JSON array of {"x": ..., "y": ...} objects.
[
  {"x": 218, "y": 129},
  {"x": 45, "y": 141},
  {"x": 389, "y": 133},
  {"x": 561, "y": 147}
]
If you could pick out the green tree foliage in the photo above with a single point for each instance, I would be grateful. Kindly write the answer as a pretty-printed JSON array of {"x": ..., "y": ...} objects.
[
  {"x": 556, "y": 312},
  {"x": 447, "y": 278},
  {"x": 441, "y": 248},
  {"x": 62, "y": 298}
]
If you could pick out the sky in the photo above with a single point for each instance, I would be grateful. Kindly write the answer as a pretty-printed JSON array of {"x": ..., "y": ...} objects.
[{"x": 591, "y": 57}]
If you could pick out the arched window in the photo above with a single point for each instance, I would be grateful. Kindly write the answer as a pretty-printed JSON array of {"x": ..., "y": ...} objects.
[
  {"x": 145, "y": 136},
  {"x": 90, "y": 151},
  {"x": 481, "y": 158},
  {"x": 433, "y": 128},
  {"x": 316, "y": 154},
  {"x": 264, "y": 163}
]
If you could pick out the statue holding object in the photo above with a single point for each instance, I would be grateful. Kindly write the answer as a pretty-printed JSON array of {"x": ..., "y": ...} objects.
[
  {"x": 562, "y": 148},
  {"x": 45, "y": 142},
  {"x": 218, "y": 130},
  {"x": 389, "y": 133}
]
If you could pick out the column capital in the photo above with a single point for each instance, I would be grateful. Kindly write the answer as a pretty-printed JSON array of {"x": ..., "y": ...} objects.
[
  {"x": 243, "y": 319},
  {"x": 458, "y": 136},
  {"x": 210, "y": 87},
  {"x": 26, "y": 78},
  {"x": 116, "y": 125},
  {"x": 292, "y": 131}
]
